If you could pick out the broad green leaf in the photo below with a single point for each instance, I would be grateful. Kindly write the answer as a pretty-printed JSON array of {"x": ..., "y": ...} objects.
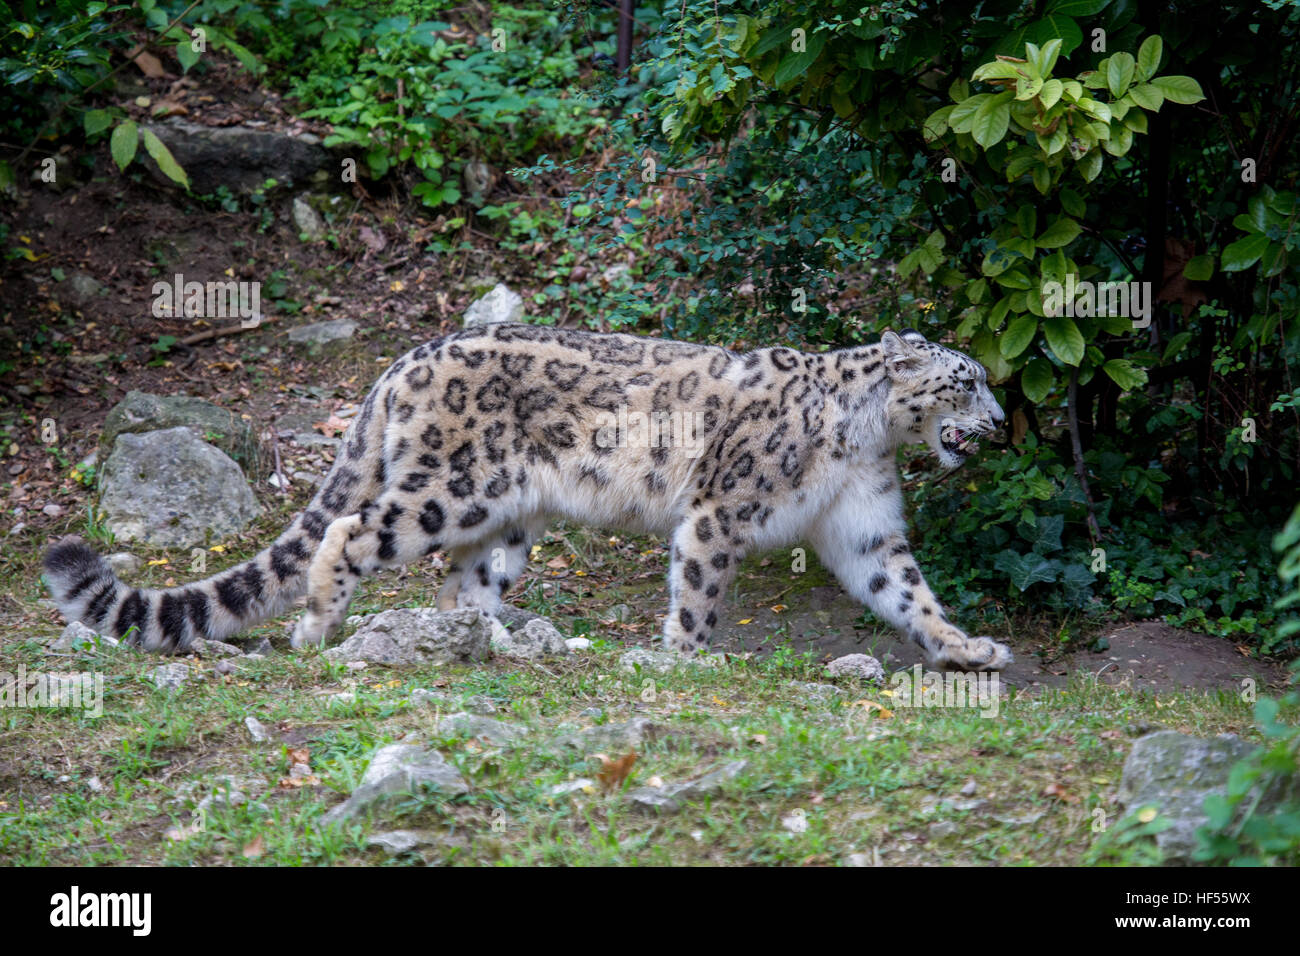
[
  {"x": 1064, "y": 339},
  {"x": 1027, "y": 221},
  {"x": 186, "y": 54},
  {"x": 1199, "y": 268},
  {"x": 991, "y": 119},
  {"x": 1125, "y": 375},
  {"x": 1060, "y": 233},
  {"x": 976, "y": 291},
  {"x": 1273, "y": 261},
  {"x": 1037, "y": 378},
  {"x": 1179, "y": 89},
  {"x": 1019, "y": 333},
  {"x": 96, "y": 121},
  {"x": 123, "y": 143},
  {"x": 163, "y": 157},
  {"x": 1136, "y": 121},
  {"x": 1090, "y": 165},
  {"x": 1073, "y": 203},
  {"x": 1148, "y": 96},
  {"x": 1244, "y": 253},
  {"x": 1057, "y": 26},
  {"x": 936, "y": 124},
  {"x": 1149, "y": 55},
  {"x": 1050, "y": 93},
  {"x": 1078, "y": 8},
  {"x": 999, "y": 70},
  {"x": 1119, "y": 73}
]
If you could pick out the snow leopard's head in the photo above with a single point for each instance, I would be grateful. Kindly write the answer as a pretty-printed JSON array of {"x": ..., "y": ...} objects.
[{"x": 938, "y": 396}]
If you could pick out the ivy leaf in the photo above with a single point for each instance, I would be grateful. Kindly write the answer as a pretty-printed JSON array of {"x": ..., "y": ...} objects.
[
  {"x": 123, "y": 143},
  {"x": 163, "y": 157},
  {"x": 1037, "y": 379},
  {"x": 1123, "y": 374},
  {"x": 1025, "y": 570},
  {"x": 1060, "y": 233},
  {"x": 1179, "y": 89},
  {"x": 1064, "y": 338},
  {"x": 1019, "y": 333}
]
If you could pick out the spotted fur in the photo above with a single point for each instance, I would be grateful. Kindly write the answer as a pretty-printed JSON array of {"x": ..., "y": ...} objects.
[{"x": 472, "y": 442}]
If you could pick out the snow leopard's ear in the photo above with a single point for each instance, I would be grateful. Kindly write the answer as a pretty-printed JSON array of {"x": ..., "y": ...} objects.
[{"x": 901, "y": 359}]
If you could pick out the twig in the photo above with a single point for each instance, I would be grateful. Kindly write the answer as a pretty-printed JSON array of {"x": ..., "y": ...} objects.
[{"x": 223, "y": 330}]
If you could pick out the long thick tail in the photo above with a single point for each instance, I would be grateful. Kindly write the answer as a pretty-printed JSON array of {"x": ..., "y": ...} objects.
[{"x": 86, "y": 590}]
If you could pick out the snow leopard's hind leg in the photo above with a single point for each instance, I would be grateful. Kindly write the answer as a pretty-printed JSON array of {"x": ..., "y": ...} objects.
[{"x": 482, "y": 573}]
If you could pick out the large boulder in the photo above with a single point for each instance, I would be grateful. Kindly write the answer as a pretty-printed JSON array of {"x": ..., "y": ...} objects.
[
  {"x": 240, "y": 158},
  {"x": 419, "y": 635},
  {"x": 171, "y": 490},
  {"x": 1175, "y": 772},
  {"x": 146, "y": 412}
]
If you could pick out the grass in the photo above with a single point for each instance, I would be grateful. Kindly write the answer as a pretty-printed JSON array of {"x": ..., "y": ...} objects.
[{"x": 826, "y": 777}]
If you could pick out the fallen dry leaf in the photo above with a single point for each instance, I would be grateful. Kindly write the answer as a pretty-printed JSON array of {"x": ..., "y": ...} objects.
[
  {"x": 254, "y": 848},
  {"x": 1058, "y": 791}
]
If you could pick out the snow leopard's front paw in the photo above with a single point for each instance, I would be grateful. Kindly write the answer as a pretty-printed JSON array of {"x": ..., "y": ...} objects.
[
  {"x": 310, "y": 630},
  {"x": 986, "y": 654}
]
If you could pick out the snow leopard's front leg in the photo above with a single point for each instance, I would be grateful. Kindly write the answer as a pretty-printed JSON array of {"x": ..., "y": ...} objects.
[
  {"x": 704, "y": 561},
  {"x": 864, "y": 543}
]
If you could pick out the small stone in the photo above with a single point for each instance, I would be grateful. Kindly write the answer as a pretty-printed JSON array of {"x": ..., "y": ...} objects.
[
  {"x": 573, "y": 786},
  {"x": 52, "y": 511},
  {"x": 397, "y": 842},
  {"x": 655, "y": 662},
  {"x": 861, "y": 666},
  {"x": 499, "y": 305},
  {"x": 464, "y": 724},
  {"x": 673, "y": 797},
  {"x": 209, "y": 649},
  {"x": 420, "y": 697},
  {"x": 577, "y": 643},
  {"x": 257, "y": 730},
  {"x": 169, "y": 676},
  {"x": 858, "y": 859},
  {"x": 394, "y": 771},
  {"x": 123, "y": 563},
  {"x": 942, "y": 828},
  {"x": 95, "y": 785},
  {"x": 259, "y": 648},
  {"x": 619, "y": 613},
  {"x": 321, "y": 333},
  {"x": 19, "y": 528},
  {"x": 224, "y": 667},
  {"x": 77, "y": 636},
  {"x": 308, "y": 220},
  {"x": 480, "y": 704},
  {"x": 968, "y": 788}
]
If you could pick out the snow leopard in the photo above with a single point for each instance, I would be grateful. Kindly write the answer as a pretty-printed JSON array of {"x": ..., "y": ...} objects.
[{"x": 472, "y": 442}]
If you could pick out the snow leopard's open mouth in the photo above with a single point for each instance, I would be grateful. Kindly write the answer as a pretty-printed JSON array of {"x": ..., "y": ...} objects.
[{"x": 960, "y": 441}]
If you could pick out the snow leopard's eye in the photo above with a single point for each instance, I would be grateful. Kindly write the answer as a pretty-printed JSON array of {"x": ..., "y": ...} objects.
[{"x": 968, "y": 384}]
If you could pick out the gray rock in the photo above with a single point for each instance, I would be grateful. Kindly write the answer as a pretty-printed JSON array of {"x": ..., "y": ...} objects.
[
  {"x": 81, "y": 289},
  {"x": 625, "y": 736},
  {"x": 308, "y": 220},
  {"x": 1175, "y": 772},
  {"x": 397, "y": 842},
  {"x": 618, "y": 613},
  {"x": 861, "y": 666},
  {"x": 538, "y": 638},
  {"x": 821, "y": 692},
  {"x": 169, "y": 489},
  {"x": 499, "y": 305},
  {"x": 77, "y": 636},
  {"x": 124, "y": 563},
  {"x": 240, "y": 158},
  {"x": 259, "y": 648},
  {"x": 52, "y": 511},
  {"x": 214, "y": 649},
  {"x": 673, "y": 797},
  {"x": 395, "y": 771},
  {"x": 572, "y": 786},
  {"x": 301, "y": 427},
  {"x": 420, "y": 697},
  {"x": 654, "y": 662},
  {"x": 480, "y": 704},
  {"x": 473, "y": 725},
  {"x": 257, "y": 730},
  {"x": 321, "y": 333},
  {"x": 170, "y": 676},
  {"x": 577, "y": 643},
  {"x": 516, "y": 618},
  {"x": 145, "y": 412},
  {"x": 419, "y": 635}
]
